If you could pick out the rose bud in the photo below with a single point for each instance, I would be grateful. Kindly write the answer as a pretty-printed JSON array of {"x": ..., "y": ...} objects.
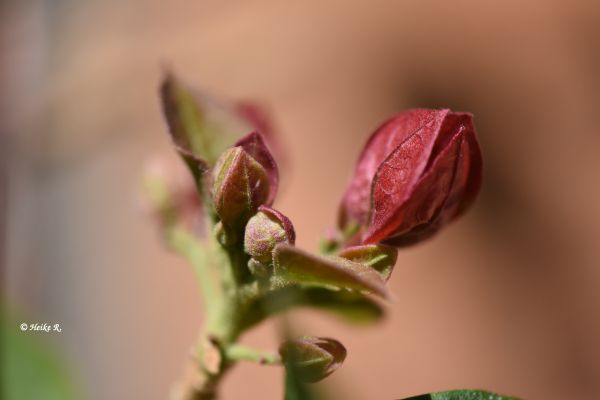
[
  {"x": 312, "y": 358},
  {"x": 264, "y": 231},
  {"x": 419, "y": 170},
  {"x": 244, "y": 178}
]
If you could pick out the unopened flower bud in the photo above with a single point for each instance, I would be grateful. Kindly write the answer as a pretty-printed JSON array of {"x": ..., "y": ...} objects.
[
  {"x": 264, "y": 231},
  {"x": 312, "y": 358},
  {"x": 419, "y": 171},
  {"x": 240, "y": 186},
  {"x": 244, "y": 178}
]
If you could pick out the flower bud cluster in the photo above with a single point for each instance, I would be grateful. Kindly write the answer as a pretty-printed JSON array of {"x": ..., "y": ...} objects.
[{"x": 419, "y": 171}]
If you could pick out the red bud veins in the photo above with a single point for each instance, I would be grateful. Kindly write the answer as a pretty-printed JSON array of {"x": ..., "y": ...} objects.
[
  {"x": 420, "y": 170},
  {"x": 256, "y": 147}
]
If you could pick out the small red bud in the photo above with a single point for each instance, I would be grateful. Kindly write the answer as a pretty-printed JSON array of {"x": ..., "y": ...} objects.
[{"x": 240, "y": 186}]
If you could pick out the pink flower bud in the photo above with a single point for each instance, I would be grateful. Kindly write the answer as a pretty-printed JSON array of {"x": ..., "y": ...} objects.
[
  {"x": 256, "y": 147},
  {"x": 420, "y": 170},
  {"x": 244, "y": 178},
  {"x": 264, "y": 231}
]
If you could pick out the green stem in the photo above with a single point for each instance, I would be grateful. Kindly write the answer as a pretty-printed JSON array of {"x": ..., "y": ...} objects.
[
  {"x": 242, "y": 353},
  {"x": 227, "y": 299},
  {"x": 188, "y": 246}
]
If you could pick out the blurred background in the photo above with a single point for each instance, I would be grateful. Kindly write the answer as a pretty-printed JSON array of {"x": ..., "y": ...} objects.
[{"x": 506, "y": 299}]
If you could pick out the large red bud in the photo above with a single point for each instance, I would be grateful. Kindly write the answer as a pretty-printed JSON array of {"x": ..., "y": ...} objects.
[{"x": 420, "y": 170}]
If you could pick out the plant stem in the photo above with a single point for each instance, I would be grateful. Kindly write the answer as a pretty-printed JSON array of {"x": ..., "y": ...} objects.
[
  {"x": 239, "y": 353},
  {"x": 187, "y": 245},
  {"x": 227, "y": 300},
  {"x": 224, "y": 303}
]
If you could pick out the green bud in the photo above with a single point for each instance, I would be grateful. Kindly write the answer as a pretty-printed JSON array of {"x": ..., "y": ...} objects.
[
  {"x": 240, "y": 186},
  {"x": 312, "y": 358},
  {"x": 264, "y": 231}
]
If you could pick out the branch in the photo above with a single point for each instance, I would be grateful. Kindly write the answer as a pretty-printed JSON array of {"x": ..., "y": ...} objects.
[
  {"x": 243, "y": 353},
  {"x": 188, "y": 246}
]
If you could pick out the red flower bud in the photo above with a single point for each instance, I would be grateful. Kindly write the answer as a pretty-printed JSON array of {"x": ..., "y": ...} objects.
[
  {"x": 255, "y": 146},
  {"x": 420, "y": 170},
  {"x": 244, "y": 178}
]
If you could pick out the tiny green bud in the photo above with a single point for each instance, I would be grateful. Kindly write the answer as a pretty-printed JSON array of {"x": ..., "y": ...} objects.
[
  {"x": 240, "y": 186},
  {"x": 264, "y": 231},
  {"x": 312, "y": 358}
]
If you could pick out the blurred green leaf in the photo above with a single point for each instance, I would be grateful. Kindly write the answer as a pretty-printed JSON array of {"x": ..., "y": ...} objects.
[
  {"x": 201, "y": 127},
  {"x": 298, "y": 266},
  {"x": 351, "y": 307},
  {"x": 462, "y": 395},
  {"x": 31, "y": 369}
]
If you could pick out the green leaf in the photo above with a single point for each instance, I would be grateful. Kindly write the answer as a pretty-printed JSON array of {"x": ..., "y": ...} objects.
[
  {"x": 462, "y": 395},
  {"x": 351, "y": 307},
  {"x": 201, "y": 128},
  {"x": 297, "y": 266}
]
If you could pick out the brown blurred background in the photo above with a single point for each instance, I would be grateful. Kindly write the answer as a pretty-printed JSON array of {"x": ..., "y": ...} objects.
[{"x": 507, "y": 299}]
